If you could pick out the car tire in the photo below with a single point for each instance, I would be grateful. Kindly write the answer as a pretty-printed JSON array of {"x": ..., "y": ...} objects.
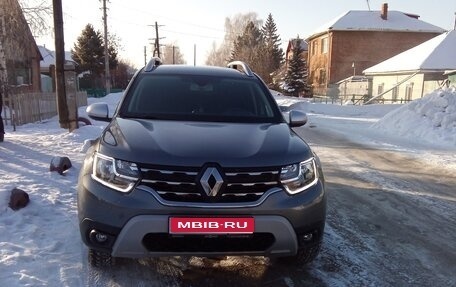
[
  {"x": 100, "y": 259},
  {"x": 304, "y": 256}
]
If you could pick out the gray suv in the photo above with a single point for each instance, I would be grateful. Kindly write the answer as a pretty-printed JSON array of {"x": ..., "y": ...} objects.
[{"x": 200, "y": 161}]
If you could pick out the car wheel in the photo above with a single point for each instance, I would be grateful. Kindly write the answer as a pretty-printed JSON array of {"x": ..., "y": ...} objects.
[{"x": 100, "y": 259}]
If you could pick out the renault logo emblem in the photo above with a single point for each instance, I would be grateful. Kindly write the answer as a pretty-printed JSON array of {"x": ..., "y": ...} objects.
[{"x": 211, "y": 181}]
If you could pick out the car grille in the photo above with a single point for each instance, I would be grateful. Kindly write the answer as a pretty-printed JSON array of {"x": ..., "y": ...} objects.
[
  {"x": 163, "y": 242},
  {"x": 182, "y": 184}
]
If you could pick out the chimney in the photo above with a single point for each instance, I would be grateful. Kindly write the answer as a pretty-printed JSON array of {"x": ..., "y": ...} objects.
[{"x": 384, "y": 14}]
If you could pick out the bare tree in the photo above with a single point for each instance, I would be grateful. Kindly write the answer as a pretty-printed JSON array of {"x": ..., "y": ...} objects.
[
  {"x": 234, "y": 27},
  {"x": 122, "y": 74},
  {"x": 37, "y": 13},
  {"x": 171, "y": 54}
]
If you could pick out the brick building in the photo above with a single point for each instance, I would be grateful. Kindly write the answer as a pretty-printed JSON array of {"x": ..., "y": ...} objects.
[
  {"x": 19, "y": 54},
  {"x": 358, "y": 40}
]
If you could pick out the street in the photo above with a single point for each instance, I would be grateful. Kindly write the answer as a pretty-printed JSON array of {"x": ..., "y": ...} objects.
[{"x": 391, "y": 221}]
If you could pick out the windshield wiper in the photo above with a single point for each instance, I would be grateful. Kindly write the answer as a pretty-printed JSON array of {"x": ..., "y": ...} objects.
[{"x": 139, "y": 116}]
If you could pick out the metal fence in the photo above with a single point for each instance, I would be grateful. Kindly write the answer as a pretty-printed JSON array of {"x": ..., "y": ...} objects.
[
  {"x": 34, "y": 107},
  {"x": 355, "y": 100}
]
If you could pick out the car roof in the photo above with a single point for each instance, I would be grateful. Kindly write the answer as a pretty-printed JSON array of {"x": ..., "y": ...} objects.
[{"x": 197, "y": 70}]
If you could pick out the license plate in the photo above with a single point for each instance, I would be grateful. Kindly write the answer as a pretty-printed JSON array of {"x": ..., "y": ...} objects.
[{"x": 211, "y": 225}]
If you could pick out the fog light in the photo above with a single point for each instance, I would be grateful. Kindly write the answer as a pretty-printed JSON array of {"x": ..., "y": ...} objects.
[
  {"x": 307, "y": 237},
  {"x": 98, "y": 237}
]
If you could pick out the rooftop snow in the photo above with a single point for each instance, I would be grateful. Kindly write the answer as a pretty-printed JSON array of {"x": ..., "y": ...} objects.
[
  {"x": 49, "y": 57},
  {"x": 434, "y": 54},
  {"x": 371, "y": 21}
]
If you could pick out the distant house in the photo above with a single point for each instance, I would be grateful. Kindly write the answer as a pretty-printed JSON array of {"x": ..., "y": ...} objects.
[
  {"x": 290, "y": 48},
  {"x": 360, "y": 39},
  {"x": 19, "y": 54},
  {"x": 47, "y": 64},
  {"x": 49, "y": 59},
  {"x": 415, "y": 72}
]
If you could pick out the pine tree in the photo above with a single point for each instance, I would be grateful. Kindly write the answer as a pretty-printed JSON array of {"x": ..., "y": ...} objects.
[
  {"x": 296, "y": 77},
  {"x": 250, "y": 48},
  {"x": 234, "y": 27},
  {"x": 112, "y": 54},
  {"x": 88, "y": 51},
  {"x": 274, "y": 54},
  {"x": 113, "y": 48}
]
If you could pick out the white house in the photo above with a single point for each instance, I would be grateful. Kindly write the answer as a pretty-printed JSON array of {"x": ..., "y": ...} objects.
[
  {"x": 47, "y": 84},
  {"x": 415, "y": 72}
]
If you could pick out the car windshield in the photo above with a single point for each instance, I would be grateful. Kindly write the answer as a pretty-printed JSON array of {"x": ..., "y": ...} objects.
[{"x": 200, "y": 98}]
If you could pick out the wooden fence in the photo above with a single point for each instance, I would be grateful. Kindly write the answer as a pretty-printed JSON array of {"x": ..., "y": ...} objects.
[{"x": 34, "y": 107}]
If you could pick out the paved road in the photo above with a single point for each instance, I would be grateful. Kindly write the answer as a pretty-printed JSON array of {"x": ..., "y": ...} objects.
[{"x": 391, "y": 222}]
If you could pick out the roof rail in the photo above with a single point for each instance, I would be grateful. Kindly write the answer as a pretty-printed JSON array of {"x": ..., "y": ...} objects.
[
  {"x": 236, "y": 64},
  {"x": 153, "y": 63}
]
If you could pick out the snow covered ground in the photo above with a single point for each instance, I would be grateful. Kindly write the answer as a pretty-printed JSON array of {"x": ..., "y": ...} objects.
[
  {"x": 424, "y": 127},
  {"x": 40, "y": 244}
]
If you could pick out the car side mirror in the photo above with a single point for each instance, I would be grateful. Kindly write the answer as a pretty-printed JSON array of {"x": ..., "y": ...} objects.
[
  {"x": 297, "y": 118},
  {"x": 98, "y": 112}
]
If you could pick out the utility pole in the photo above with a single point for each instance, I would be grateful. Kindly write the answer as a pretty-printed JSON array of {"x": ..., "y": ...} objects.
[
  {"x": 145, "y": 55},
  {"x": 194, "y": 54},
  {"x": 106, "y": 53},
  {"x": 174, "y": 61},
  {"x": 59, "y": 65},
  {"x": 156, "y": 41}
]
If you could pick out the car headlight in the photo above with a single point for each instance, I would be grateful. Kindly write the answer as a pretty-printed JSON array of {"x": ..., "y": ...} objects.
[
  {"x": 114, "y": 173},
  {"x": 300, "y": 176}
]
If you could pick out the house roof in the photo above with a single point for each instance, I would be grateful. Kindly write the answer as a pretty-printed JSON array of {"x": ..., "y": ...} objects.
[
  {"x": 436, "y": 54},
  {"x": 49, "y": 57},
  {"x": 371, "y": 21},
  {"x": 292, "y": 44}
]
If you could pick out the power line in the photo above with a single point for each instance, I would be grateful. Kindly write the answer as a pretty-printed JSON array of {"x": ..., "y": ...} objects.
[
  {"x": 192, "y": 34},
  {"x": 171, "y": 19}
]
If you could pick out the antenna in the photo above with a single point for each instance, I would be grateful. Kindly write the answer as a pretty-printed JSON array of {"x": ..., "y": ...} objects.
[{"x": 368, "y": 6}]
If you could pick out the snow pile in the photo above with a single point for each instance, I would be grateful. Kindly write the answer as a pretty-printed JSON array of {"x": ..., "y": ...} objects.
[{"x": 431, "y": 119}]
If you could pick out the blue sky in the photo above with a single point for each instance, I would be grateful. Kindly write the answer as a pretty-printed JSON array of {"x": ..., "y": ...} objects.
[{"x": 201, "y": 22}]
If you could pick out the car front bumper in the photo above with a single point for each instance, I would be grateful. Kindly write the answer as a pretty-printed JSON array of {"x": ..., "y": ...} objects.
[{"x": 133, "y": 222}]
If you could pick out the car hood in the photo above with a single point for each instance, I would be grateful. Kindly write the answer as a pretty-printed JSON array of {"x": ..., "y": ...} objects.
[{"x": 194, "y": 144}]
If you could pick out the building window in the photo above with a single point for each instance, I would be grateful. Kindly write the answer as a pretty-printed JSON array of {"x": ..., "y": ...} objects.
[
  {"x": 2, "y": 26},
  {"x": 408, "y": 92},
  {"x": 395, "y": 93},
  {"x": 324, "y": 45},
  {"x": 322, "y": 78},
  {"x": 314, "y": 47},
  {"x": 20, "y": 73},
  {"x": 380, "y": 89}
]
